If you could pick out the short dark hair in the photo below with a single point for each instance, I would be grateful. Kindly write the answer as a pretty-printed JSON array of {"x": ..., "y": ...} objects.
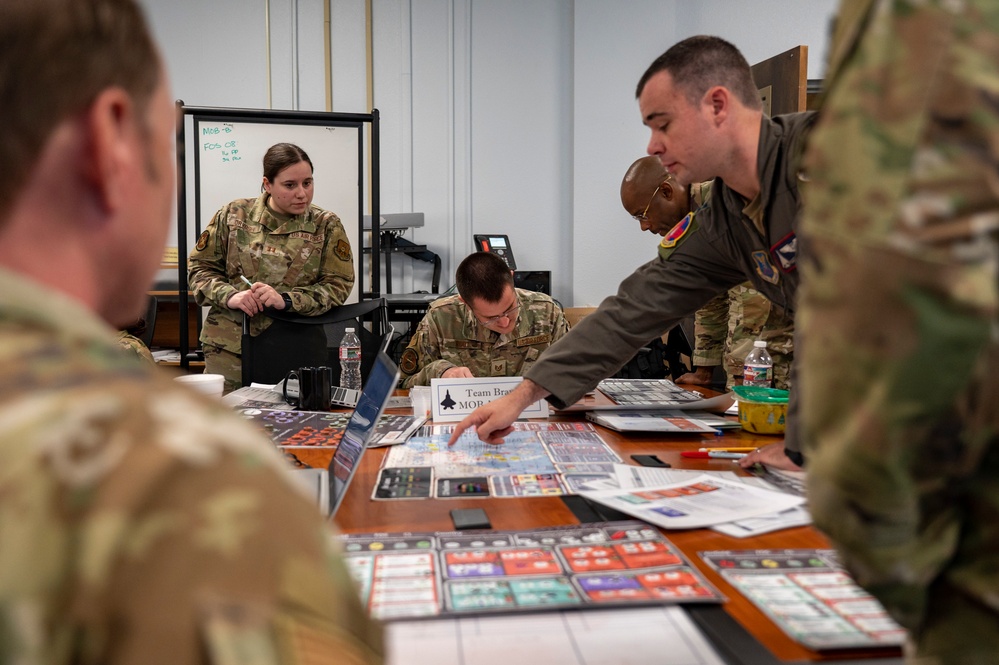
[
  {"x": 482, "y": 275},
  {"x": 702, "y": 62},
  {"x": 282, "y": 155},
  {"x": 56, "y": 56}
]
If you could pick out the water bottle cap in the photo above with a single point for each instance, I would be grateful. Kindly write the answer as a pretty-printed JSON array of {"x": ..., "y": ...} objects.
[
  {"x": 348, "y": 330},
  {"x": 760, "y": 344}
]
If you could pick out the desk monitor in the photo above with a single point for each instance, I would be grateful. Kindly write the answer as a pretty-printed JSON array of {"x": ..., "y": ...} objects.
[
  {"x": 331, "y": 483},
  {"x": 498, "y": 244}
]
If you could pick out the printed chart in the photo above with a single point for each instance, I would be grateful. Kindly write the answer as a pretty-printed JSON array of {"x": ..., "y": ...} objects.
[
  {"x": 405, "y": 576},
  {"x": 537, "y": 459},
  {"x": 809, "y": 595},
  {"x": 323, "y": 429}
]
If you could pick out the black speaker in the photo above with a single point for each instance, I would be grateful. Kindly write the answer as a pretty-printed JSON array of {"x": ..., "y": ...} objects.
[{"x": 533, "y": 280}]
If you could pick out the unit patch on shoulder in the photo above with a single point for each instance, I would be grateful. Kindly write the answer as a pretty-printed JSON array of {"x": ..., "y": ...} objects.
[
  {"x": 764, "y": 267},
  {"x": 342, "y": 250},
  {"x": 683, "y": 229},
  {"x": 409, "y": 361},
  {"x": 786, "y": 252},
  {"x": 202, "y": 241}
]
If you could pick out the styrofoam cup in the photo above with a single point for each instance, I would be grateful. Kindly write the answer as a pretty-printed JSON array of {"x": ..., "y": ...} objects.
[{"x": 210, "y": 384}]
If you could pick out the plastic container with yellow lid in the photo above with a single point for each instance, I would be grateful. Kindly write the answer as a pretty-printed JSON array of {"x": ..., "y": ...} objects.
[{"x": 761, "y": 410}]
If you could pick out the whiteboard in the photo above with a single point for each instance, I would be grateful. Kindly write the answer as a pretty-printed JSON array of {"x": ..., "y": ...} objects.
[{"x": 224, "y": 160}]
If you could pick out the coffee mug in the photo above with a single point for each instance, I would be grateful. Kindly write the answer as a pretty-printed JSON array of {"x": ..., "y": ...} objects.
[{"x": 314, "y": 388}]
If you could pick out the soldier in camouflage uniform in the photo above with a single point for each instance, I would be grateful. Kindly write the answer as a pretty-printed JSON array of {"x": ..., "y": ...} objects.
[
  {"x": 140, "y": 522},
  {"x": 488, "y": 329},
  {"x": 296, "y": 254},
  {"x": 133, "y": 345},
  {"x": 900, "y": 313},
  {"x": 725, "y": 327}
]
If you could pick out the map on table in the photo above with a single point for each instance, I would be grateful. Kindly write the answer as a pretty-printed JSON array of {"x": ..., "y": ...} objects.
[
  {"x": 809, "y": 596},
  {"x": 537, "y": 459},
  {"x": 323, "y": 429},
  {"x": 408, "y": 575}
]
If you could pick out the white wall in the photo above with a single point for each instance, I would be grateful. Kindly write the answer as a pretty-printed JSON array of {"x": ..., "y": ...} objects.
[{"x": 504, "y": 116}]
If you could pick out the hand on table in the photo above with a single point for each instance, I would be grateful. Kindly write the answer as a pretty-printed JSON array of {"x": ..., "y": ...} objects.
[
  {"x": 771, "y": 455},
  {"x": 457, "y": 373}
]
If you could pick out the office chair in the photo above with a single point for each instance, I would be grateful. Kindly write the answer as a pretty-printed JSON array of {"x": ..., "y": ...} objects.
[
  {"x": 293, "y": 341},
  {"x": 150, "y": 318}
]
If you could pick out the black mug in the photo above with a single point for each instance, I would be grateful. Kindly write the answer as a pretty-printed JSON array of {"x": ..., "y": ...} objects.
[{"x": 314, "y": 388}]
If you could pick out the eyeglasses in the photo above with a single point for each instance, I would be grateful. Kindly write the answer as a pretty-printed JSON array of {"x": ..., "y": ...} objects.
[
  {"x": 644, "y": 215},
  {"x": 508, "y": 314}
]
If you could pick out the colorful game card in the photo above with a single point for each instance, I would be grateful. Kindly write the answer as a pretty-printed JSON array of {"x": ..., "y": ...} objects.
[
  {"x": 413, "y": 482},
  {"x": 470, "y": 486},
  {"x": 809, "y": 596},
  {"x": 455, "y": 573}
]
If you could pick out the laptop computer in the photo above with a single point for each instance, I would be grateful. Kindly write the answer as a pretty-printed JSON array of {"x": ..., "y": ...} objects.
[{"x": 330, "y": 484}]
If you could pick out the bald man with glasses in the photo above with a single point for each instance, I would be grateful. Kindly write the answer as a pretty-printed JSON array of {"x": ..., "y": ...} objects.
[
  {"x": 489, "y": 329},
  {"x": 726, "y": 326}
]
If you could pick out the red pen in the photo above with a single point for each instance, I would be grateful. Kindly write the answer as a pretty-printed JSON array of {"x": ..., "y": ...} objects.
[{"x": 712, "y": 454}]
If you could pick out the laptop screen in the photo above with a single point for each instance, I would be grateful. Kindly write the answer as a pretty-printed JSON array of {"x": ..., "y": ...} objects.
[{"x": 370, "y": 405}]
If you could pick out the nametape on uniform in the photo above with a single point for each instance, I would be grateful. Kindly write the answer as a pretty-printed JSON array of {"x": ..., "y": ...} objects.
[{"x": 453, "y": 399}]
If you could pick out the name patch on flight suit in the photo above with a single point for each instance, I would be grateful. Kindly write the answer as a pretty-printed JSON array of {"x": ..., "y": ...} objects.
[
  {"x": 531, "y": 341},
  {"x": 683, "y": 229},
  {"x": 786, "y": 252},
  {"x": 764, "y": 267}
]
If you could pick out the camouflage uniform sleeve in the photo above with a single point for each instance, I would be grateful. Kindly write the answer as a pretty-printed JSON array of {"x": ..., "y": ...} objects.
[
  {"x": 335, "y": 279},
  {"x": 560, "y": 326},
  {"x": 903, "y": 461},
  {"x": 710, "y": 332},
  {"x": 206, "y": 273},
  {"x": 422, "y": 361}
]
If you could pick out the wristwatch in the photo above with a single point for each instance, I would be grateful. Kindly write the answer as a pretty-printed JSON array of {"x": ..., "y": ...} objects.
[{"x": 287, "y": 301}]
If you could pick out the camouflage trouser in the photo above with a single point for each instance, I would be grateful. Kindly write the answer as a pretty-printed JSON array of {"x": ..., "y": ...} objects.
[{"x": 226, "y": 363}]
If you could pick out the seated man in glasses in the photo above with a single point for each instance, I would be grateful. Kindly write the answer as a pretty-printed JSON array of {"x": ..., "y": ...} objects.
[
  {"x": 726, "y": 326},
  {"x": 489, "y": 329}
]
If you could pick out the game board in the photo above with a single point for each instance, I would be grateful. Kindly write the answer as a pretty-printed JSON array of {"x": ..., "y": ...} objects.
[
  {"x": 409, "y": 575},
  {"x": 323, "y": 429},
  {"x": 809, "y": 596},
  {"x": 537, "y": 459}
]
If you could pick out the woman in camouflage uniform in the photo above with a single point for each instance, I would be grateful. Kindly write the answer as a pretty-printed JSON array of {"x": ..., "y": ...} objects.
[{"x": 295, "y": 255}]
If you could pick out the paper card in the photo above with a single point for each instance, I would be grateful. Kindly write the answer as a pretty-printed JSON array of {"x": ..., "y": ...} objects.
[{"x": 453, "y": 399}]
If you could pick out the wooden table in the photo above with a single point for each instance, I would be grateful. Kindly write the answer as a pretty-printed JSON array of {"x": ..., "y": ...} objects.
[{"x": 359, "y": 514}]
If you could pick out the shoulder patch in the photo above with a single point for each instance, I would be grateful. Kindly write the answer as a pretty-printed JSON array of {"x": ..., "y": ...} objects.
[
  {"x": 342, "y": 250},
  {"x": 202, "y": 241},
  {"x": 409, "y": 361},
  {"x": 683, "y": 230}
]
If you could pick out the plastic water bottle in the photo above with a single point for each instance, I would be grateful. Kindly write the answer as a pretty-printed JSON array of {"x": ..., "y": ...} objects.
[
  {"x": 758, "y": 369},
  {"x": 350, "y": 361}
]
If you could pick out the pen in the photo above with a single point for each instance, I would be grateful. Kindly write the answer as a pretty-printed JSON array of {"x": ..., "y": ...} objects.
[
  {"x": 736, "y": 449},
  {"x": 704, "y": 454},
  {"x": 248, "y": 282}
]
